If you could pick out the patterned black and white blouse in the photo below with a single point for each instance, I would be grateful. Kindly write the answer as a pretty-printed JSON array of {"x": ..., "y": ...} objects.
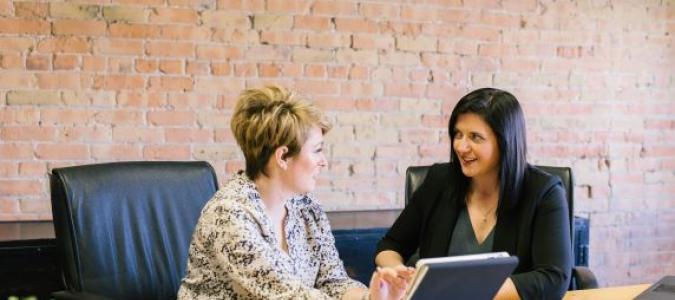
[{"x": 234, "y": 252}]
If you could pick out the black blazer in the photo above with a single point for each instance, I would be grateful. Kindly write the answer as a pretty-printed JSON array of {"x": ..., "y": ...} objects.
[{"x": 537, "y": 230}]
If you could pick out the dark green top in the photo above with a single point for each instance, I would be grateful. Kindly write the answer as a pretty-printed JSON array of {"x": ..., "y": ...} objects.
[{"x": 463, "y": 240}]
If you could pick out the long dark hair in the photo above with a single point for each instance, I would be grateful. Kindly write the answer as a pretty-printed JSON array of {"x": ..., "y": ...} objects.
[{"x": 501, "y": 111}]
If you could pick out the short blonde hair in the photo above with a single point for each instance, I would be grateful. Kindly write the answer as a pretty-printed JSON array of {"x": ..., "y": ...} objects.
[{"x": 267, "y": 118}]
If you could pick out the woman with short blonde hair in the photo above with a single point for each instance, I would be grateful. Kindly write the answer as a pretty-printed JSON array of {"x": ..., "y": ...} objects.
[{"x": 263, "y": 236}]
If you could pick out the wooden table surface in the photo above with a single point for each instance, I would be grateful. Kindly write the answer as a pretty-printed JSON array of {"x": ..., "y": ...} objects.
[{"x": 609, "y": 293}]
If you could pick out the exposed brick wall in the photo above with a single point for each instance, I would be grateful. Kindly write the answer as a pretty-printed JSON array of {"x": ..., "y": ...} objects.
[{"x": 96, "y": 81}]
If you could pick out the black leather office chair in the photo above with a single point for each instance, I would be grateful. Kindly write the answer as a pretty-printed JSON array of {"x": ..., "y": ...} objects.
[
  {"x": 123, "y": 229},
  {"x": 582, "y": 277}
]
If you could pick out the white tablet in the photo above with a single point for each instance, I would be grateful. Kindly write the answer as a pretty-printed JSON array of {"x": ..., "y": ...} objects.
[{"x": 477, "y": 276}]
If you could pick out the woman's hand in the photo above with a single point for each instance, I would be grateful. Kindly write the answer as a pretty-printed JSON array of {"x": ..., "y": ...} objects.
[
  {"x": 390, "y": 283},
  {"x": 397, "y": 275}
]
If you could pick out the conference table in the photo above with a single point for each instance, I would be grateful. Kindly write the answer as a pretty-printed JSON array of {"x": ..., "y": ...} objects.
[{"x": 609, "y": 293}]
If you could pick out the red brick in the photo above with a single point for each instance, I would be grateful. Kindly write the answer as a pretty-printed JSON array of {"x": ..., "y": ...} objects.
[
  {"x": 116, "y": 152},
  {"x": 188, "y": 135},
  {"x": 333, "y": 8},
  {"x": 220, "y": 69},
  {"x": 197, "y": 68},
  {"x": 215, "y": 153},
  {"x": 24, "y": 26},
  {"x": 16, "y": 151},
  {"x": 120, "y": 64},
  {"x": 38, "y": 62},
  {"x": 302, "y": 55},
  {"x": 417, "y": 44},
  {"x": 58, "y": 80},
  {"x": 224, "y": 136},
  {"x": 141, "y": 99},
  {"x": 33, "y": 97},
  {"x": 316, "y": 87},
  {"x": 268, "y": 70},
  {"x": 338, "y": 72},
  {"x": 207, "y": 4},
  {"x": 328, "y": 40},
  {"x": 219, "y": 85},
  {"x": 500, "y": 20},
  {"x": 9, "y": 208},
  {"x": 399, "y": 58},
  {"x": 30, "y": 10},
  {"x": 415, "y": 13},
  {"x": 146, "y": 65},
  {"x": 313, "y": 70},
  {"x": 404, "y": 90},
  {"x": 16, "y": 44},
  {"x": 6, "y": 9},
  {"x": 128, "y": 14},
  {"x": 20, "y": 187},
  {"x": 170, "y": 118},
  {"x": 138, "y": 2},
  {"x": 141, "y": 31},
  {"x": 316, "y": 23},
  {"x": 137, "y": 134},
  {"x": 271, "y": 22},
  {"x": 118, "y": 82},
  {"x": 36, "y": 169},
  {"x": 226, "y": 19},
  {"x": 183, "y": 32},
  {"x": 73, "y": 10},
  {"x": 300, "y": 7},
  {"x": 66, "y": 62},
  {"x": 79, "y": 27},
  {"x": 378, "y": 10},
  {"x": 12, "y": 61},
  {"x": 267, "y": 53},
  {"x": 236, "y": 36},
  {"x": 118, "y": 47},
  {"x": 570, "y": 52},
  {"x": 171, "y": 66},
  {"x": 358, "y": 72},
  {"x": 173, "y": 15},
  {"x": 93, "y": 63},
  {"x": 241, "y": 5},
  {"x": 172, "y": 152},
  {"x": 85, "y": 134},
  {"x": 433, "y": 150},
  {"x": 282, "y": 38},
  {"x": 357, "y": 25},
  {"x": 218, "y": 52},
  {"x": 24, "y": 133},
  {"x": 171, "y": 83},
  {"x": 62, "y": 151},
  {"x": 185, "y": 101},
  {"x": 61, "y": 116},
  {"x": 170, "y": 49},
  {"x": 80, "y": 97},
  {"x": 481, "y": 33},
  {"x": 120, "y": 117},
  {"x": 372, "y": 41},
  {"x": 440, "y": 60}
]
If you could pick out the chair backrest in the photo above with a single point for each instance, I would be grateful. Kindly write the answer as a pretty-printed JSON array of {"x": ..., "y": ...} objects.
[
  {"x": 123, "y": 229},
  {"x": 415, "y": 175}
]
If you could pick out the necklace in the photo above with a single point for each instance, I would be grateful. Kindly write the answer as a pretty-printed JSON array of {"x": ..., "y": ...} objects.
[{"x": 485, "y": 214}]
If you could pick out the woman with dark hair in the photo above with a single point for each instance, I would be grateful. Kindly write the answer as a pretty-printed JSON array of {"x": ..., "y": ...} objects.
[{"x": 488, "y": 199}]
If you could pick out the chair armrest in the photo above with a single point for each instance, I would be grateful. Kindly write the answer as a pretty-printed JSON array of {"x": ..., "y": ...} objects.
[
  {"x": 70, "y": 295},
  {"x": 584, "y": 278}
]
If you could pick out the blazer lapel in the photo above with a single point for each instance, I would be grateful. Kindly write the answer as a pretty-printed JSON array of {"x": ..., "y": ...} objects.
[
  {"x": 505, "y": 238},
  {"x": 441, "y": 225}
]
